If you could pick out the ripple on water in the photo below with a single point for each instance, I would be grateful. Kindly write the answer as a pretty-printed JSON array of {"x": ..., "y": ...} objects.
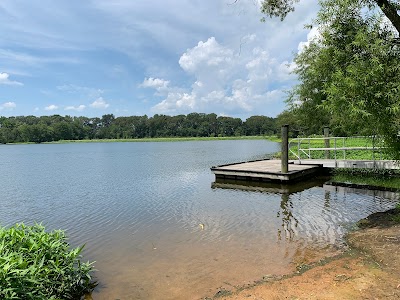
[{"x": 156, "y": 228}]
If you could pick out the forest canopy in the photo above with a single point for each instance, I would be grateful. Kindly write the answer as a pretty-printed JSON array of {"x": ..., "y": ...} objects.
[{"x": 54, "y": 128}]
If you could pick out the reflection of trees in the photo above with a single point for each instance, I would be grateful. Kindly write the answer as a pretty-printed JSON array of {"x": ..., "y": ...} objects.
[{"x": 288, "y": 220}]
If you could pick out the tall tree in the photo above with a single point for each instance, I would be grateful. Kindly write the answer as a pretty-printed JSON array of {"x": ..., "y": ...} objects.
[
  {"x": 260, "y": 125},
  {"x": 351, "y": 72}
]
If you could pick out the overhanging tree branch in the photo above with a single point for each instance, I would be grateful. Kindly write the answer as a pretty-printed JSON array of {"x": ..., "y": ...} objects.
[{"x": 281, "y": 8}]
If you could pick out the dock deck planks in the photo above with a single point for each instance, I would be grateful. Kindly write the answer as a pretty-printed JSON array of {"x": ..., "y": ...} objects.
[
  {"x": 264, "y": 170},
  {"x": 348, "y": 163}
]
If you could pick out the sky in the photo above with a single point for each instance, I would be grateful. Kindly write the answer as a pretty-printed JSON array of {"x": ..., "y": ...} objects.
[{"x": 146, "y": 57}]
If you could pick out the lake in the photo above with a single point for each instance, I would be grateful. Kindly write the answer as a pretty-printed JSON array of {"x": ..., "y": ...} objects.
[{"x": 158, "y": 226}]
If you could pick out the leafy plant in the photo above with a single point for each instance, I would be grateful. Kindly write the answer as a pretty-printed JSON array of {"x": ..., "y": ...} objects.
[
  {"x": 396, "y": 216},
  {"x": 35, "y": 264}
]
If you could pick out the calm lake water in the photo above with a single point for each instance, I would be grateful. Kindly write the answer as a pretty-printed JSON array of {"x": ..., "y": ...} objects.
[{"x": 138, "y": 208}]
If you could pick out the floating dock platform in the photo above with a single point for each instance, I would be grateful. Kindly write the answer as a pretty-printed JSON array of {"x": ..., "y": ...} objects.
[
  {"x": 265, "y": 170},
  {"x": 285, "y": 171},
  {"x": 269, "y": 170}
]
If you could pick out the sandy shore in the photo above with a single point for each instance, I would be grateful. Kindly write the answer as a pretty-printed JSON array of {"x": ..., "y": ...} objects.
[{"x": 370, "y": 269}]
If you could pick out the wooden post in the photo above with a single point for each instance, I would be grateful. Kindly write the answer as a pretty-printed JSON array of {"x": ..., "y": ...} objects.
[
  {"x": 285, "y": 149},
  {"x": 327, "y": 142}
]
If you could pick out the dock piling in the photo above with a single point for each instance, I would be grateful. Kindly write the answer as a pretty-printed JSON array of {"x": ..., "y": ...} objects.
[
  {"x": 327, "y": 142},
  {"x": 285, "y": 149}
]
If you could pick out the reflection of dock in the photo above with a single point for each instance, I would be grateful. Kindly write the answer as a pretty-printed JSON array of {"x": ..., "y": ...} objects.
[
  {"x": 264, "y": 170},
  {"x": 269, "y": 187},
  {"x": 321, "y": 181}
]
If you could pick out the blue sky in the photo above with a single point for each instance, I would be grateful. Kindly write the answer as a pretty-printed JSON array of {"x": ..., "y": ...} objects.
[{"x": 125, "y": 57}]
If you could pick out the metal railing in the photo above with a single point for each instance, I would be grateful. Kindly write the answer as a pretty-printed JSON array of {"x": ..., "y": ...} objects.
[{"x": 324, "y": 147}]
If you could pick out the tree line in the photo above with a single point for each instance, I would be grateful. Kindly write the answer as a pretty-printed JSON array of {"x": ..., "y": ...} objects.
[
  {"x": 349, "y": 73},
  {"x": 22, "y": 129}
]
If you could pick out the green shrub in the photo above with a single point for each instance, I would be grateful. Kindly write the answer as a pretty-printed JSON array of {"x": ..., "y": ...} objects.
[
  {"x": 35, "y": 264},
  {"x": 375, "y": 173}
]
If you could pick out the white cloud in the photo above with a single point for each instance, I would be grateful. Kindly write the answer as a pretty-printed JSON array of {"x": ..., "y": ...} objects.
[
  {"x": 8, "y": 106},
  {"x": 285, "y": 70},
  {"x": 313, "y": 34},
  {"x": 206, "y": 54},
  {"x": 51, "y": 107},
  {"x": 260, "y": 67},
  {"x": 4, "y": 79},
  {"x": 216, "y": 40},
  {"x": 156, "y": 83},
  {"x": 76, "y": 108},
  {"x": 175, "y": 102},
  {"x": 225, "y": 81},
  {"x": 161, "y": 85},
  {"x": 99, "y": 103}
]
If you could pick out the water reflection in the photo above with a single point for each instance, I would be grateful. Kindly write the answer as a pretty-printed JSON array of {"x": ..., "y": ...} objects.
[
  {"x": 288, "y": 220},
  {"x": 377, "y": 194},
  {"x": 327, "y": 199},
  {"x": 268, "y": 187},
  {"x": 314, "y": 209}
]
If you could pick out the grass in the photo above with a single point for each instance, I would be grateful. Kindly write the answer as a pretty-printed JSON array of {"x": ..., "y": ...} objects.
[
  {"x": 372, "y": 178},
  {"x": 355, "y": 154},
  {"x": 318, "y": 142},
  {"x": 371, "y": 181},
  {"x": 160, "y": 139},
  {"x": 274, "y": 139},
  {"x": 380, "y": 178},
  {"x": 396, "y": 217},
  {"x": 35, "y": 264}
]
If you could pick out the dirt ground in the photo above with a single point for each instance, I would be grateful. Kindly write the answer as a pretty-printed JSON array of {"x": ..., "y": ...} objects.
[{"x": 369, "y": 269}]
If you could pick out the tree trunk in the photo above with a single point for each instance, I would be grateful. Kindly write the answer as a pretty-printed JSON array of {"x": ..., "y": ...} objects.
[{"x": 390, "y": 12}]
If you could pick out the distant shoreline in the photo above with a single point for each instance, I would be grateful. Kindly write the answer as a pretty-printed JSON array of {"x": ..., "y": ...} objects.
[{"x": 161, "y": 139}]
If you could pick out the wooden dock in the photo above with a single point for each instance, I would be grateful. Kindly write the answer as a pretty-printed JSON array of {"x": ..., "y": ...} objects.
[
  {"x": 351, "y": 164},
  {"x": 270, "y": 170},
  {"x": 286, "y": 171},
  {"x": 265, "y": 170}
]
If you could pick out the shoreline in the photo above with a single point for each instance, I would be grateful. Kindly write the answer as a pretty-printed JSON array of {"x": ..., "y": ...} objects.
[
  {"x": 157, "y": 139},
  {"x": 367, "y": 269},
  {"x": 364, "y": 186}
]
